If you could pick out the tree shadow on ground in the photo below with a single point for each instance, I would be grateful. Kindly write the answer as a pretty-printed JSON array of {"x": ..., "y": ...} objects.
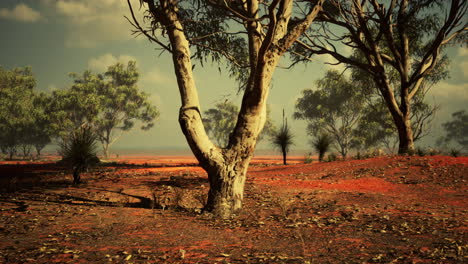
[{"x": 75, "y": 200}]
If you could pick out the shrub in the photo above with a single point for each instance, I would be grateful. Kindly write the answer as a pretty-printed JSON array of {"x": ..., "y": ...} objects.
[
  {"x": 455, "y": 152},
  {"x": 79, "y": 151},
  {"x": 433, "y": 152},
  {"x": 308, "y": 158},
  {"x": 332, "y": 157},
  {"x": 421, "y": 152},
  {"x": 322, "y": 144}
]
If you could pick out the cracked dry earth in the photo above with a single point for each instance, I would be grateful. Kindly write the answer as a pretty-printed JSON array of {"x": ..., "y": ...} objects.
[{"x": 378, "y": 210}]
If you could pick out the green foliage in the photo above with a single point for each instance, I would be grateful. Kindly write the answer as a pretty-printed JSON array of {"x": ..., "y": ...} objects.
[
  {"x": 421, "y": 152},
  {"x": 321, "y": 144},
  {"x": 283, "y": 138},
  {"x": 308, "y": 158},
  {"x": 332, "y": 157},
  {"x": 398, "y": 50},
  {"x": 79, "y": 150},
  {"x": 455, "y": 152},
  {"x": 220, "y": 121},
  {"x": 23, "y": 119},
  {"x": 334, "y": 108},
  {"x": 457, "y": 129},
  {"x": 110, "y": 102}
]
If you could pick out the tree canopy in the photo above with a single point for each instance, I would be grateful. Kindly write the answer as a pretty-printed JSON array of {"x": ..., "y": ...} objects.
[
  {"x": 334, "y": 108},
  {"x": 457, "y": 129},
  {"x": 405, "y": 36},
  {"x": 109, "y": 102},
  {"x": 221, "y": 120},
  {"x": 23, "y": 122}
]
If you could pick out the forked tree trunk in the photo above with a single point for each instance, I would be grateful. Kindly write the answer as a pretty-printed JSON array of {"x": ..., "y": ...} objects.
[{"x": 227, "y": 167}]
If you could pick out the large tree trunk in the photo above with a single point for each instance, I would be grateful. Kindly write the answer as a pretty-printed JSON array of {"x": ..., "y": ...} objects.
[
  {"x": 226, "y": 188},
  {"x": 227, "y": 167},
  {"x": 405, "y": 135}
]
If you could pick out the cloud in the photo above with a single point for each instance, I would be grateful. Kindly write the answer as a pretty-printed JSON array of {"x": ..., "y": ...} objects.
[
  {"x": 464, "y": 68},
  {"x": 155, "y": 76},
  {"x": 92, "y": 23},
  {"x": 22, "y": 13},
  {"x": 450, "y": 92},
  {"x": 101, "y": 63},
  {"x": 463, "y": 51}
]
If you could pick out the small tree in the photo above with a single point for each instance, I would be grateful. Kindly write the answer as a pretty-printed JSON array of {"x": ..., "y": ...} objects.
[
  {"x": 121, "y": 105},
  {"x": 16, "y": 104},
  {"x": 110, "y": 102},
  {"x": 322, "y": 144},
  {"x": 335, "y": 108},
  {"x": 79, "y": 151},
  {"x": 283, "y": 138},
  {"x": 457, "y": 129},
  {"x": 221, "y": 120}
]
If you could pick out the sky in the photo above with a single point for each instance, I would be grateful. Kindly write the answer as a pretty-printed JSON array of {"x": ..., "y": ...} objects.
[{"x": 57, "y": 37}]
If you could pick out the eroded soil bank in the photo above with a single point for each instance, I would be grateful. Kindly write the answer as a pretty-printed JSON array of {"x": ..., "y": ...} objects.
[{"x": 379, "y": 210}]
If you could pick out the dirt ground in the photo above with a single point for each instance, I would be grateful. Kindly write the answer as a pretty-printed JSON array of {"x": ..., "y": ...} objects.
[{"x": 147, "y": 210}]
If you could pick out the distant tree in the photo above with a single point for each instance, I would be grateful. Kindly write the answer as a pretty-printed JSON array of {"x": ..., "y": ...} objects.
[
  {"x": 16, "y": 93},
  {"x": 335, "y": 108},
  {"x": 121, "y": 105},
  {"x": 111, "y": 103},
  {"x": 283, "y": 138},
  {"x": 77, "y": 106},
  {"x": 322, "y": 144},
  {"x": 457, "y": 129},
  {"x": 405, "y": 36},
  {"x": 79, "y": 151},
  {"x": 377, "y": 126},
  {"x": 220, "y": 122},
  {"x": 41, "y": 132}
]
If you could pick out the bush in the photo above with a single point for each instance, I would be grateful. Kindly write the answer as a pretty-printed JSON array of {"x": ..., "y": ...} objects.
[
  {"x": 433, "y": 152},
  {"x": 322, "y": 144},
  {"x": 421, "y": 152},
  {"x": 79, "y": 151},
  {"x": 332, "y": 157},
  {"x": 455, "y": 152},
  {"x": 308, "y": 158}
]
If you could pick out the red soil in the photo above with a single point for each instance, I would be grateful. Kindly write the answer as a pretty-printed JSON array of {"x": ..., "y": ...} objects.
[{"x": 147, "y": 210}]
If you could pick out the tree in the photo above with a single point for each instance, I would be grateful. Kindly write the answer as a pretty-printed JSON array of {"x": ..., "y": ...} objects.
[
  {"x": 375, "y": 128},
  {"x": 41, "y": 132},
  {"x": 220, "y": 122},
  {"x": 251, "y": 36},
  {"x": 322, "y": 144},
  {"x": 16, "y": 93},
  {"x": 111, "y": 103},
  {"x": 405, "y": 36},
  {"x": 122, "y": 104},
  {"x": 334, "y": 108},
  {"x": 283, "y": 138},
  {"x": 457, "y": 129}
]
